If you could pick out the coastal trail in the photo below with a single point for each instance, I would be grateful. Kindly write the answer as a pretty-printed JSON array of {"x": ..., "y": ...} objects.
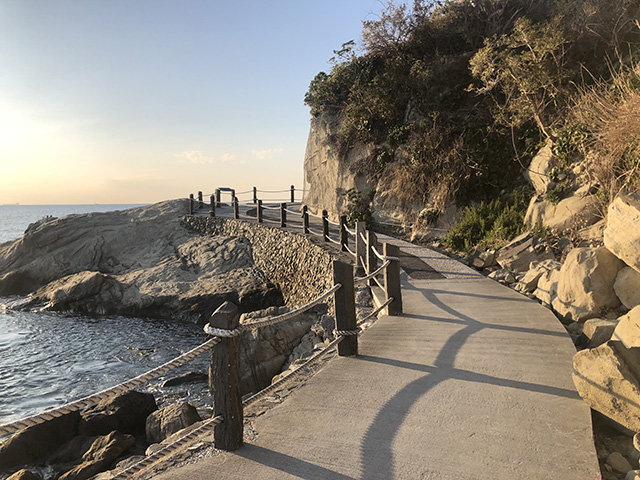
[{"x": 473, "y": 381}]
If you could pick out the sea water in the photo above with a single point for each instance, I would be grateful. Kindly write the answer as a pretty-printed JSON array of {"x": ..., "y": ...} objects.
[{"x": 49, "y": 359}]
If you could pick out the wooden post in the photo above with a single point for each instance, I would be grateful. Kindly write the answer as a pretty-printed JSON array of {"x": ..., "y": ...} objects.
[
  {"x": 218, "y": 197},
  {"x": 392, "y": 280},
  {"x": 361, "y": 245},
  {"x": 236, "y": 208},
  {"x": 283, "y": 215},
  {"x": 345, "y": 305},
  {"x": 259, "y": 211},
  {"x": 305, "y": 220},
  {"x": 191, "y": 204},
  {"x": 293, "y": 194},
  {"x": 325, "y": 225},
  {"x": 200, "y": 202},
  {"x": 224, "y": 380},
  {"x": 344, "y": 235},
  {"x": 372, "y": 260},
  {"x": 255, "y": 195},
  {"x": 212, "y": 211}
]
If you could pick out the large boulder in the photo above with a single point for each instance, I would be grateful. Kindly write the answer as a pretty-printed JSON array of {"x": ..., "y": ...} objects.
[
  {"x": 102, "y": 453},
  {"x": 538, "y": 171},
  {"x": 170, "y": 419},
  {"x": 547, "y": 287},
  {"x": 627, "y": 287},
  {"x": 126, "y": 413},
  {"x": 578, "y": 210},
  {"x": 35, "y": 443},
  {"x": 622, "y": 233},
  {"x": 627, "y": 330},
  {"x": 521, "y": 251},
  {"x": 529, "y": 282},
  {"x": 585, "y": 286},
  {"x": 598, "y": 331},
  {"x": 607, "y": 383}
]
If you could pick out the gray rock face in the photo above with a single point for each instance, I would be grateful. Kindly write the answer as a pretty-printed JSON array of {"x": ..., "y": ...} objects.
[
  {"x": 138, "y": 262},
  {"x": 168, "y": 420}
]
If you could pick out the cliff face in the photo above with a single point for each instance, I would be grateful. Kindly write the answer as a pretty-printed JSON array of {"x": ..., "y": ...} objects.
[{"x": 327, "y": 172}]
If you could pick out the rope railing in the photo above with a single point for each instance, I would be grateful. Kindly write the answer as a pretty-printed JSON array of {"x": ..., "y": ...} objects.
[
  {"x": 337, "y": 242},
  {"x": 314, "y": 232},
  {"x": 89, "y": 400},
  {"x": 373, "y": 274},
  {"x": 168, "y": 450},
  {"x": 333, "y": 223},
  {"x": 349, "y": 250},
  {"x": 350, "y": 232}
]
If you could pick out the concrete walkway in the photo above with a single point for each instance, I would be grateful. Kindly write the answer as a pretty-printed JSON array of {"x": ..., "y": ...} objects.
[{"x": 472, "y": 382}]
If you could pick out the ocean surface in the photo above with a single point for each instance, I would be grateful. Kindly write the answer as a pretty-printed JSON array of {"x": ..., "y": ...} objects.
[{"x": 49, "y": 359}]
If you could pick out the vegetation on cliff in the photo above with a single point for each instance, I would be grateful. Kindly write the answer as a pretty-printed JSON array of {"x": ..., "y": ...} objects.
[{"x": 458, "y": 95}]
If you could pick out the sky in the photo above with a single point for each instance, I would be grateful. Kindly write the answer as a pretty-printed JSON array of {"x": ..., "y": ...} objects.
[{"x": 139, "y": 101}]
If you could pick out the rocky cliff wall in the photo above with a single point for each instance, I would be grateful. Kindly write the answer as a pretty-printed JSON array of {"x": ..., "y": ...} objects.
[{"x": 301, "y": 269}]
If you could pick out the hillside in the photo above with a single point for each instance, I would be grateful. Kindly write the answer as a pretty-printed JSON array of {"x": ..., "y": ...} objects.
[{"x": 444, "y": 105}]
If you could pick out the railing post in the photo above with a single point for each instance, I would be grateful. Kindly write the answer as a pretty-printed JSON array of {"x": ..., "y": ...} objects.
[
  {"x": 283, "y": 215},
  {"x": 293, "y": 194},
  {"x": 233, "y": 194},
  {"x": 305, "y": 219},
  {"x": 325, "y": 225},
  {"x": 255, "y": 195},
  {"x": 344, "y": 236},
  {"x": 218, "y": 197},
  {"x": 361, "y": 246},
  {"x": 259, "y": 211},
  {"x": 372, "y": 260},
  {"x": 224, "y": 380},
  {"x": 191, "y": 204},
  {"x": 200, "y": 202},
  {"x": 392, "y": 280},
  {"x": 212, "y": 211},
  {"x": 345, "y": 306},
  {"x": 236, "y": 208}
]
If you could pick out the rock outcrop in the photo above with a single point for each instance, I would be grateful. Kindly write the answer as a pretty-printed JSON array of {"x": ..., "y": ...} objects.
[
  {"x": 138, "y": 262},
  {"x": 622, "y": 233},
  {"x": 125, "y": 413},
  {"x": 170, "y": 419},
  {"x": 521, "y": 251}
]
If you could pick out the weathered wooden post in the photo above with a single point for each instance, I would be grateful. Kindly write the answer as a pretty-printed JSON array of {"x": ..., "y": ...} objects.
[
  {"x": 372, "y": 260},
  {"x": 212, "y": 210},
  {"x": 218, "y": 197},
  {"x": 200, "y": 202},
  {"x": 305, "y": 219},
  {"x": 191, "y": 204},
  {"x": 344, "y": 235},
  {"x": 392, "y": 279},
  {"x": 325, "y": 225},
  {"x": 259, "y": 211},
  {"x": 293, "y": 194},
  {"x": 236, "y": 208},
  {"x": 255, "y": 195},
  {"x": 361, "y": 245},
  {"x": 283, "y": 215},
  {"x": 224, "y": 380},
  {"x": 345, "y": 306}
]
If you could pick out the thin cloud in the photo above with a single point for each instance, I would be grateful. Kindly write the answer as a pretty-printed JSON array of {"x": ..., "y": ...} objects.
[
  {"x": 266, "y": 154},
  {"x": 200, "y": 158}
]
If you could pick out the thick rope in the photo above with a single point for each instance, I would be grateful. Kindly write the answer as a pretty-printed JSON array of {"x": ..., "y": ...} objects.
[
  {"x": 169, "y": 449},
  {"x": 349, "y": 250},
  {"x": 364, "y": 239},
  {"x": 293, "y": 212},
  {"x": 349, "y": 231},
  {"x": 376, "y": 311},
  {"x": 337, "y": 242},
  {"x": 346, "y": 333},
  {"x": 373, "y": 274},
  {"x": 333, "y": 223},
  {"x": 272, "y": 320},
  {"x": 384, "y": 257},
  {"x": 108, "y": 393},
  {"x": 313, "y": 232}
]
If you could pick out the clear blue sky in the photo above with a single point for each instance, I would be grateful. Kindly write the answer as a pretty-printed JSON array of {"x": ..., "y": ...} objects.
[{"x": 127, "y": 101}]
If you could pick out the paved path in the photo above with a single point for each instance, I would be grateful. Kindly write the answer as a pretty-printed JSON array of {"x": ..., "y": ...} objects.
[{"x": 472, "y": 382}]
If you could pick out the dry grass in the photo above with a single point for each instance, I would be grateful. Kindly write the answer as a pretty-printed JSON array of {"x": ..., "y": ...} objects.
[{"x": 611, "y": 113}]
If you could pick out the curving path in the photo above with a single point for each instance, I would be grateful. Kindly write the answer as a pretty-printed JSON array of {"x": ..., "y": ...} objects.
[{"x": 472, "y": 382}]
